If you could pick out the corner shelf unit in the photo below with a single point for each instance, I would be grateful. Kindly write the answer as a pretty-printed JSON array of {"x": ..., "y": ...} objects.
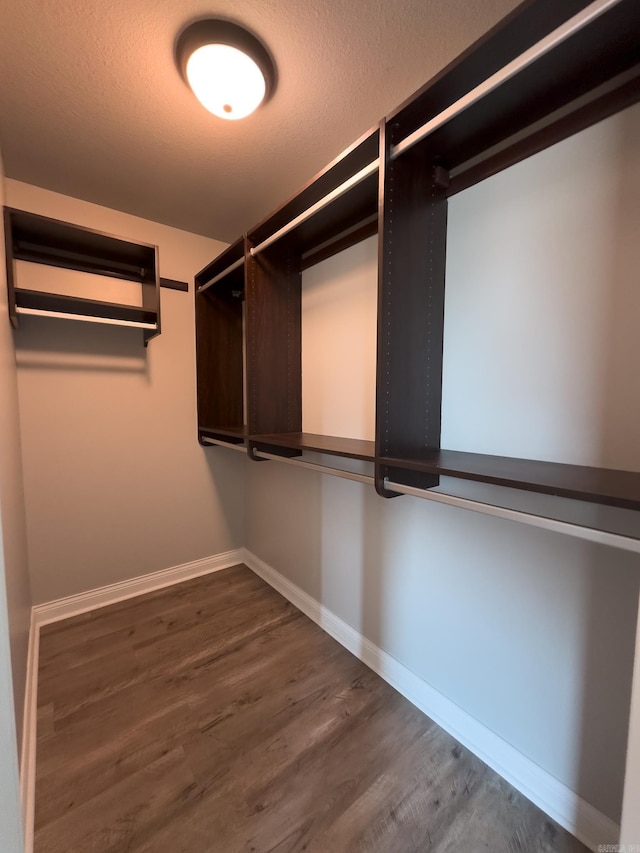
[
  {"x": 546, "y": 72},
  {"x": 41, "y": 240}
]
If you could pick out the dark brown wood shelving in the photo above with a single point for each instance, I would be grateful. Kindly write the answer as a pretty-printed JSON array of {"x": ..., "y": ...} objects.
[
  {"x": 352, "y": 448},
  {"x": 596, "y": 485},
  {"x": 446, "y": 137},
  {"x": 229, "y": 435},
  {"x": 53, "y": 302},
  {"x": 42, "y": 240},
  {"x": 357, "y": 204},
  {"x": 593, "y": 56},
  {"x": 326, "y": 216},
  {"x": 463, "y": 126},
  {"x": 226, "y": 271}
]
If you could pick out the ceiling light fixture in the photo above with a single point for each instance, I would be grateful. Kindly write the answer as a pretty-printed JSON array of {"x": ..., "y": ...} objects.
[{"x": 228, "y": 69}]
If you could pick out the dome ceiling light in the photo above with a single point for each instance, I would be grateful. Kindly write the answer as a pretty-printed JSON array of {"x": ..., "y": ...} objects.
[{"x": 228, "y": 69}]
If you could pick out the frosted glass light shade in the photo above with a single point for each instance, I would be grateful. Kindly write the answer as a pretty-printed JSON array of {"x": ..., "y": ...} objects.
[
  {"x": 225, "y": 80},
  {"x": 228, "y": 69}
]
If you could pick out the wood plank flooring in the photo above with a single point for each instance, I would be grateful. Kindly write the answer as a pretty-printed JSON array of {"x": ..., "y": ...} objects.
[{"x": 213, "y": 717}]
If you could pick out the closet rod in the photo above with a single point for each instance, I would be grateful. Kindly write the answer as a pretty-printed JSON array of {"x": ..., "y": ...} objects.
[
  {"x": 312, "y": 466},
  {"x": 228, "y": 444},
  {"x": 216, "y": 278},
  {"x": 536, "y": 51},
  {"x": 64, "y": 315},
  {"x": 602, "y": 537},
  {"x": 360, "y": 176}
]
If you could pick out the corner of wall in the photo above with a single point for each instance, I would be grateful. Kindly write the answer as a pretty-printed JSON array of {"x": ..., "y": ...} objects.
[{"x": 15, "y": 593}]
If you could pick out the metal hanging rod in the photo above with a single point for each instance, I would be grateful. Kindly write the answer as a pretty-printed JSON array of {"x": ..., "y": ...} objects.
[
  {"x": 109, "y": 321},
  {"x": 602, "y": 537},
  {"x": 536, "y": 51},
  {"x": 228, "y": 444},
  {"x": 360, "y": 176},
  {"x": 221, "y": 275},
  {"x": 312, "y": 466}
]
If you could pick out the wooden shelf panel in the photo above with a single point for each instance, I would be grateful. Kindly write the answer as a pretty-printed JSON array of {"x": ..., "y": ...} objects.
[
  {"x": 357, "y": 204},
  {"x": 352, "y": 448},
  {"x": 591, "y": 57},
  {"x": 596, "y": 485},
  {"x": 223, "y": 261},
  {"x": 229, "y": 287},
  {"x": 219, "y": 367},
  {"x": 41, "y": 240},
  {"x": 234, "y": 435},
  {"x": 35, "y": 299}
]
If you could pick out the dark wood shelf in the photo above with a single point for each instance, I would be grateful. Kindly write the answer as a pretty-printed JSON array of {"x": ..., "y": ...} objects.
[
  {"x": 596, "y": 485},
  {"x": 52, "y": 302},
  {"x": 41, "y": 240},
  {"x": 590, "y": 58},
  {"x": 356, "y": 205},
  {"x": 232, "y": 281},
  {"x": 591, "y": 75},
  {"x": 229, "y": 434},
  {"x": 352, "y": 448}
]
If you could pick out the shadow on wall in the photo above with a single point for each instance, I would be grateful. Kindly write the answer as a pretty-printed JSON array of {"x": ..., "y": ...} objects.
[
  {"x": 612, "y": 616},
  {"x": 44, "y": 343}
]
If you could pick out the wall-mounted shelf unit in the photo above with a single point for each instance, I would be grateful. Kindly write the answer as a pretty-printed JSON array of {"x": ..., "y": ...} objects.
[
  {"x": 546, "y": 72},
  {"x": 41, "y": 240},
  {"x": 263, "y": 272},
  {"x": 333, "y": 211}
]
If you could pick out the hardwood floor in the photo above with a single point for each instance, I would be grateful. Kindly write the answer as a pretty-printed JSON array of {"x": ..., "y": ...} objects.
[{"x": 213, "y": 717}]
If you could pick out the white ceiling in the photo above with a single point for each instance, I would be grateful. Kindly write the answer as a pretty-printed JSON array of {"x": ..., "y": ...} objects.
[{"x": 91, "y": 103}]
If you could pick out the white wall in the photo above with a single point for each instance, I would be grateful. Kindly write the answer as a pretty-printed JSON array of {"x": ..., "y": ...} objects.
[
  {"x": 14, "y": 580},
  {"x": 339, "y": 340},
  {"x": 530, "y": 632},
  {"x": 116, "y": 483}
]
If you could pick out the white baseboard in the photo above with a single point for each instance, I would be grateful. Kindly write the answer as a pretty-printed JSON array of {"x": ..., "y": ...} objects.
[
  {"x": 74, "y": 605},
  {"x": 577, "y": 816},
  {"x": 29, "y": 723}
]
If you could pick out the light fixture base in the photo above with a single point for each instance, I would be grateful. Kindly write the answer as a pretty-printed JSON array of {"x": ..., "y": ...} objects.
[{"x": 217, "y": 56}]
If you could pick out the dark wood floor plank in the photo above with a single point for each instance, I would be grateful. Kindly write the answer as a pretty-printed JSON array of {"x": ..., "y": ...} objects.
[{"x": 213, "y": 717}]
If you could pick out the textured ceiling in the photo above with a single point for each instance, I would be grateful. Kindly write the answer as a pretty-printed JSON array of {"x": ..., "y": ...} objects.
[{"x": 91, "y": 103}]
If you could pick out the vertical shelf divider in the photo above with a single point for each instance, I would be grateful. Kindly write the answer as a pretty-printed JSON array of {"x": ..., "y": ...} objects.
[
  {"x": 274, "y": 343},
  {"x": 411, "y": 270},
  {"x": 219, "y": 361}
]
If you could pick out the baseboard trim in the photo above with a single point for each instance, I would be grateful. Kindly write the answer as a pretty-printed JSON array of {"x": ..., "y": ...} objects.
[
  {"x": 29, "y": 723},
  {"x": 93, "y": 599},
  {"x": 577, "y": 816}
]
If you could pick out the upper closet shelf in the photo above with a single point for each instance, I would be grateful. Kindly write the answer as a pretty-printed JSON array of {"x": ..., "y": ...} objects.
[
  {"x": 41, "y": 240},
  {"x": 547, "y": 71},
  {"x": 226, "y": 271},
  {"x": 596, "y": 485},
  {"x": 352, "y": 448},
  {"x": 342, "y": 196},
  {"x": 544, "y": 73}
]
